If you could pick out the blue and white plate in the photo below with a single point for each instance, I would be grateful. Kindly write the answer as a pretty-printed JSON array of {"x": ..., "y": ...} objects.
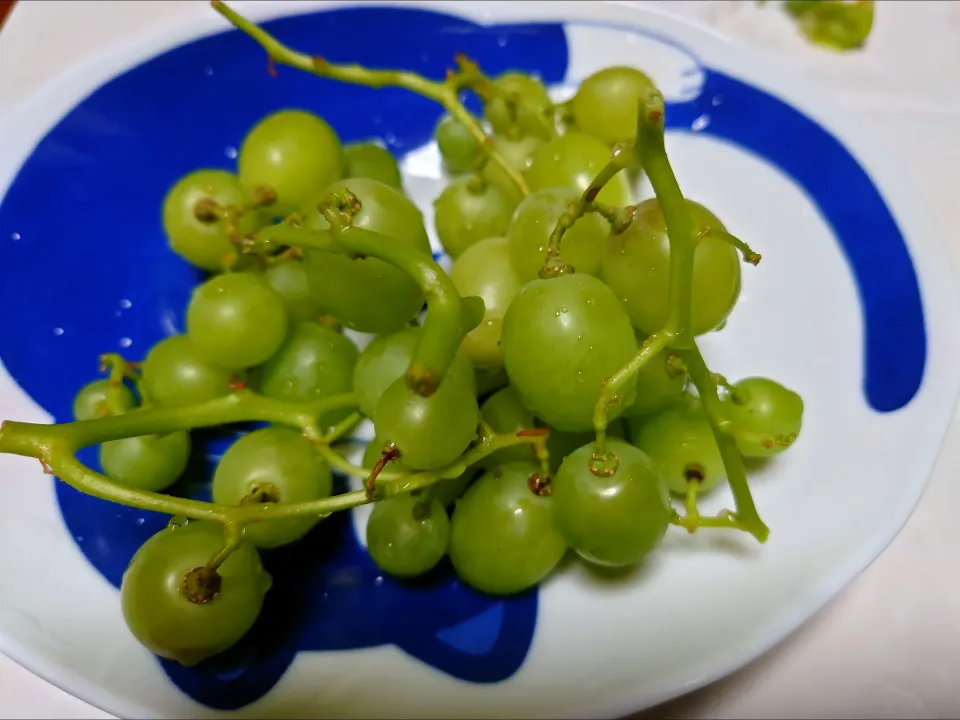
[{"x": 853, "y": 305}]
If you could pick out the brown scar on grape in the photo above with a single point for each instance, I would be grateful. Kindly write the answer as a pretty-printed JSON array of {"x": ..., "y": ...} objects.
[
  {"x": 539, "y": 484},
  {"x": 694, "y": 473},
  {"x": 235, "y": 383},
  {"x": 655, "y": 115}
]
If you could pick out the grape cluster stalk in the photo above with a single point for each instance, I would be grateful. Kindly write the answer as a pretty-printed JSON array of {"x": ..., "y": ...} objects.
[{"x": 431, "y": 433}]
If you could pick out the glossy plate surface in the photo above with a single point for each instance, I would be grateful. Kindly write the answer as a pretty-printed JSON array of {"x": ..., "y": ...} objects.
[{"x": 853, "y": 306}]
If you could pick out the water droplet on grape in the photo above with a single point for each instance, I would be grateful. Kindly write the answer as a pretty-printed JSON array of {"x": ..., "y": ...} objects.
[
  {"x": 590, "y": 302},
  {"x": 563, "y": 310},
  {"x": 15, "y": 236},
  {"x": 557, "y": 313},
  {"x": 231, "y": 152},
  {"x": 125, "y": 342},
  {"x": 58, "y": 331}
]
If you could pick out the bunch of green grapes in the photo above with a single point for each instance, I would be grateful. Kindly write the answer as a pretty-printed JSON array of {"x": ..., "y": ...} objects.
[{"x": 275, "y": 322}]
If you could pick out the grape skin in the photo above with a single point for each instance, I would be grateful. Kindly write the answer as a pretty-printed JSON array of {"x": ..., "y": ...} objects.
[
  {"x": 174, "y": 374},
  {"x": 147, "y": 462},
  {"x": 91, "y": 401},
  {"x": 369, "y": 160},
  {"x": 407, "y": 535},
  {"x": 766, "y": 416},
  {"x": 572, "y": 161},
  {"x": 469, "y": 210},
  {"x": 607, "y": 103}
]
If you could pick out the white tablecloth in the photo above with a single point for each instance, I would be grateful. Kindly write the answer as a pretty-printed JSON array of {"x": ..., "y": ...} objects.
[{"x": 890, "y": 645}]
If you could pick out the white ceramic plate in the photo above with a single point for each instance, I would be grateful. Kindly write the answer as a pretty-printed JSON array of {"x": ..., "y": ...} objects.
[{"x": 853, "y": 306}]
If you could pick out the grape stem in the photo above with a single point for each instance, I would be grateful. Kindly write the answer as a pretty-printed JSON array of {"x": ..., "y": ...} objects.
[
  {"x": 119, "y": 370},
  {"x": 446, "y": 93}
]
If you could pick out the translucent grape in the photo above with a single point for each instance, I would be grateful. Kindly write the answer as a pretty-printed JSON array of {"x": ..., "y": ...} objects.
[
  {"x": 504, "y": 413},
  {"x": 503, "y": 540},
  {"x": 236, "y": 321},
  {"x": 429, "y": 432},
  {"x": 367, "y": 294},
  {"x": 572, "y": 161},
  {"x": 517, "y": 153},
  {"x": 408, "y": 535},
  {"x": 560, "y": 444},
  {"x": 161, "y": 616},
  {"x": 531, "y": 105},
  {"x": 636, "y": 265},
  {"x": 294, "y": 153},
  {"x": 534, "y": 220},
  {"x": 607, "y": 103},
  {"x": 174, "y": 374},
  {"x": 458, "y": 147},
  {"x": 91, "y": 401},
  {"x": 445, "y": 491},
  {"x": 386, "y": 358},
  {"x": 561, "y": 339},
  {"x": 369, "y": 160},
  {"x": 146, "y": 462},
  {"x": 291, "y": 281},
  {"x": 615, "y": 519},
  {"x": 313, "y": 363},
  {"x": 205, "y": 244},
  {"x": 490, "y": 380},
  {"x": 469, "y": 210},
  {"x": 681, "y": 443},
  {"x": 766, "y": 416},
  {"x": 658, "y": 384},
  {"x": 273, "y": 465},
  {"x": 485, "y": 271}
]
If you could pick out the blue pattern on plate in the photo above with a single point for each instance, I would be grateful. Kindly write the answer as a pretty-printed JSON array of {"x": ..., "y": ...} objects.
[{"x": 90, "y": 193}]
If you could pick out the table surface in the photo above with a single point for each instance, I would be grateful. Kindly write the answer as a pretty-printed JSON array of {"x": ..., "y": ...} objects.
[{"x": 889, "y": 646}]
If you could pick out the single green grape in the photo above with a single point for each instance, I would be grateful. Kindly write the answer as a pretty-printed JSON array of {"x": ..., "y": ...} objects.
[
  {"x": 367, "y": 294},
  {"x": 291, "y": 281},
  {"x": 484, "y": 270},
  {"x": 658, "y": 384},
  {"x": 236, "y": 321},
  {"x": 766, "y": 416},
  {"x": 490, "y": 380},
  {"x": 469, "y": 210},
  {"x": 458, "y": 147},
  {"x": 636, "y": 266},
  {"x": 561, "y": 444},
  {"x": 174, "y": 374},
  {"x": 504, "y": 413},
  {"x": 369, "y": 160},
  {"x": 407, "y": 535},
  {"x": 531, "y": 112},
  {"x": 294, "y": 153},
  {"x": 313, "y": 363},
  {"x": 502, "y": 538},
  {"x": 517, "y": 153},
  {"x": 535, "y": 219},
  {"x": 387, "y": 357},
  {"x": 91, "y": 401},
  {"x": 681, "y": 443},
  {"x": 572, "y": 161},
  {"x": 429, "y": 432},
  {"x": 162, "y": 617},
  {"x": 607, "y": 103},
  {"x": 206, "y": 245},
  {"x": 614, "y": 519},
  {"x": 273, "y": 465},
  {"x": 146, "y": 462},
  {"x": 563, "y": 337}
]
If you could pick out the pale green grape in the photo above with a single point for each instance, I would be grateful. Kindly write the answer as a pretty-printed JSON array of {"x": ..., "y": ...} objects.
[
  {"x": 146, "y": 462},
  {"x": 517, "y": 153},
  {"x": 458, "y": 147},
  {"x": 607, "y": 103},
  {"x": 174, "y": 374},
  {"x": 469, "y": 210},
  {"x": 503, "y": 539},
  {"x": 658, "y": 384},
  {"x": 572, "y": 161},
  {"x": 560, "y": 444},
  {"x": 91, "y": 401},
  {"x": 636, "y": 266},
  {"x": 407, "y": 535},
  {"x": 532, "y": 106},
  {"x": 369, "y": 160},
  {"x": 766, "y": 416},
  {"x": 504, "y": 413},
  {"x": 291, "y": 281}
]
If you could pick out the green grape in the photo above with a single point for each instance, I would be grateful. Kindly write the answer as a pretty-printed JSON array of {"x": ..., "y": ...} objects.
[
  {"x": 485, "y": 271},
  {"x": 682, "y": 444},
  {"x": 532, "y": 105},
  {"x": 408, "y": 535},
  {"x": 607, "y": 103},
  {"x": 294, "y": 153},
  {"x": 766, "y": 416},
  {"x": 367, "y": 294},
  {"x": 146, "y": 462},
  {"x": 205, "y": 244},
  {"x": 445, "y": 491},
  {"x": 504, "y": 413},
  {"x": 636, "y": 266},
  {"x": 369, "y": 160},
  {"x": 386, "y": 358},
  {"x": 458, "y": 147},
  {"x": 313, "y": 363},
  {"x": 273, "y": 465},
  {"x": 502, "y": 538},
  {"x": 429, "y": 432},
  {"x": 616, "y": 519},
  {"x": 91, "y": 401},
  {"x": 469, "y": 210},
  {"x": 517, "y": 153},
  {"x": 573, "y": 161},
  {"x": 658, "y": 384},
  {"x": 174, "y": 374},
  {"x": 535, "y": 220},
  {"x": 490, "y": 380},
  {"x": 560, "y": 444},
  {"x": 292, "y": 282},
  {"x": 236, "y": 321},
  {"x": 162, "y": 617},
  {"x": 562, "y": 337}
]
